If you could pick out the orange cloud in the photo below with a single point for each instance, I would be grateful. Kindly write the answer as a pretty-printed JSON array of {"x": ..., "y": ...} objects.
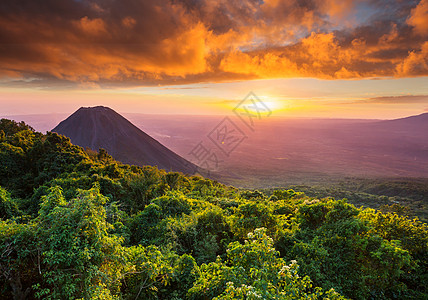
[
  {"x": 419, "y": 18},
  {"x": 415, "y": 64},
  {"x": 338, "y": 8},
  {"x": 318, "y": 55},
  {"x": 91, "y": 26},
  {"x": 93, "y": 43},
  {"x": 129, "y": 22}
]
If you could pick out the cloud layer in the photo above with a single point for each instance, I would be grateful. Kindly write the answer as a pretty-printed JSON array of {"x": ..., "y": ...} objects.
[{"x": 148, "y": 42}]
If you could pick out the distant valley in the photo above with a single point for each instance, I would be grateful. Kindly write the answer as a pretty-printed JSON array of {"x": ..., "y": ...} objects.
[{"x": 285, "y": 151}]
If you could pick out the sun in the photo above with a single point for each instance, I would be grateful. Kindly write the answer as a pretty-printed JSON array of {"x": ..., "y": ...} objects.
[
  {"x": 259, "y": 105},
  {"x": 273, "y": 104}
]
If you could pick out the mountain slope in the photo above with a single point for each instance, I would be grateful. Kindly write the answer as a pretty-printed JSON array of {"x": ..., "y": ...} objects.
[
  {"x": 101, "y": 127},
  {"x": 412, "y": 124}
]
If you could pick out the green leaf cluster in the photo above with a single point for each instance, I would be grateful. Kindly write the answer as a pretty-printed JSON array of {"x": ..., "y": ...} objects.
[{"x": 76, "y": 224}]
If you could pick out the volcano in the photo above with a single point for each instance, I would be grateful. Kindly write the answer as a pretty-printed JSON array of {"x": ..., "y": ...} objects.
[{"x": 101, "y": 127}]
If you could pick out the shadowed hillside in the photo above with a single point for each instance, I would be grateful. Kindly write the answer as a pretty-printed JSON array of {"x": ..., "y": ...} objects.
[{"x": 101, "y": 127}]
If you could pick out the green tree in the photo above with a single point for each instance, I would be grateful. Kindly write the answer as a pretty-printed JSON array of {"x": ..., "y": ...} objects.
[
  {"x": 10, "y": 127},
  {"x": 8, "y": 207},
  {"x": 81, "y": 259},
  {"x": 19, "y": 260},
  {"x": 335, "y": 248},
  {"x": 147, "y": 271},
  {"x": 254, "y": 270}
]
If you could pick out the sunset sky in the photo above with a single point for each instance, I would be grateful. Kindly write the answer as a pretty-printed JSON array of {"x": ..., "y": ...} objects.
[{"x": 312, "y": 58}]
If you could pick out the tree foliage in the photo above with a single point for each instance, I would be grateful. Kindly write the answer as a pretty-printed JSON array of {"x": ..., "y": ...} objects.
[{"x": 76, "y": 224}]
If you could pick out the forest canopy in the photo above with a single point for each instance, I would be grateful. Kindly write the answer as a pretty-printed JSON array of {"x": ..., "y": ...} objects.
[{"x": 76, "y": 224}]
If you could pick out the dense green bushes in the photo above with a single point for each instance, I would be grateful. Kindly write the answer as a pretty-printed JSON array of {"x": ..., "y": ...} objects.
[{"x": 76, "y": 224}]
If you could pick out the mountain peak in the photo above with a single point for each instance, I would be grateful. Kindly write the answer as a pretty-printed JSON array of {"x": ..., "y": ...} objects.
[
  {"x": 95, "y": 108},
  {"x": 102, "y": 127}
]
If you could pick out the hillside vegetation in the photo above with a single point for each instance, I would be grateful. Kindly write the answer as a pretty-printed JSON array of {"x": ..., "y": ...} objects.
[
  {"x": 405, "y": 196},
  {"x": 77, "y": 224}
]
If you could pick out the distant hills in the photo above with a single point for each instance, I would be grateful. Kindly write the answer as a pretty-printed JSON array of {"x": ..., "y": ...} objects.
[
  {"x": 101, "y": 127},
  {"x": 416, "y": 124},
  {"x": 419, "y": 119}
]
